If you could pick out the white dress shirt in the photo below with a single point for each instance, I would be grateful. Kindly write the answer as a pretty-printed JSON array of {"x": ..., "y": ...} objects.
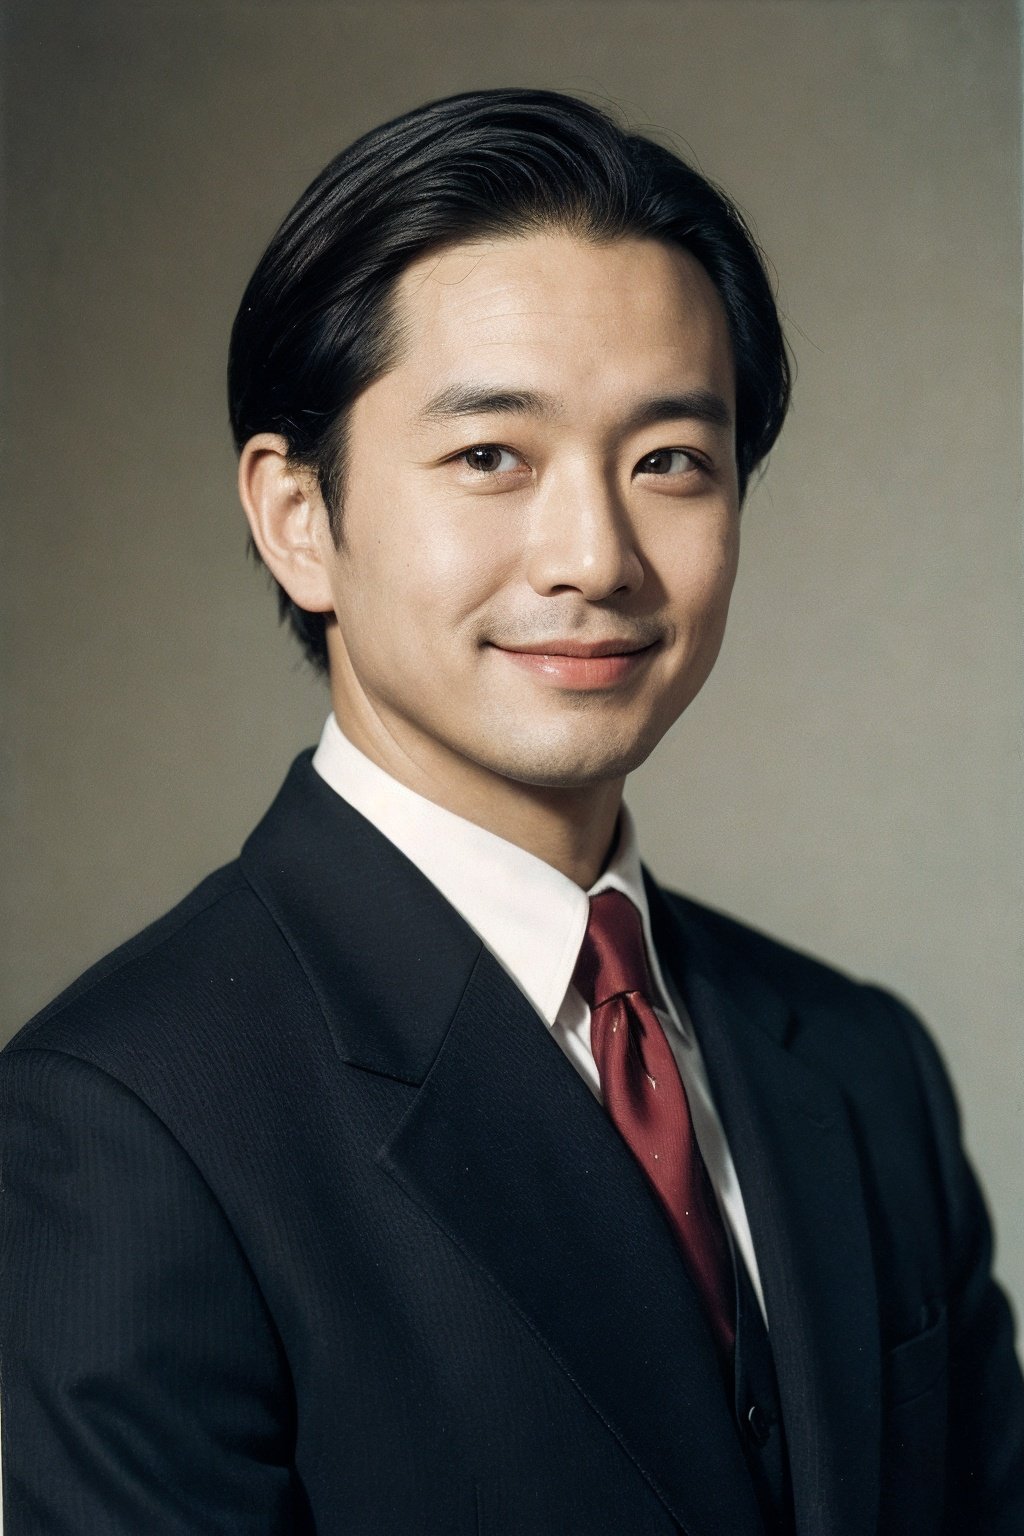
[{"x": 532, "y": 918}]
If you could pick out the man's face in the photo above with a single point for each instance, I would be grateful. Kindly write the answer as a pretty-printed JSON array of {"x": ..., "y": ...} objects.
[{"x": 535, "y": 585}]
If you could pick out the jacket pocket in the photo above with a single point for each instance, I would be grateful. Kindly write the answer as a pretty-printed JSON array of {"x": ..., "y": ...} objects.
[
  {"x": 914, "y": 1429},
  {"x": 918, "y": 1363}
]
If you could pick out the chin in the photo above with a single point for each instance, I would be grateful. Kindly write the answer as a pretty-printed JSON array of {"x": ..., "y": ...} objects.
[{"x": 579, "y": 765}]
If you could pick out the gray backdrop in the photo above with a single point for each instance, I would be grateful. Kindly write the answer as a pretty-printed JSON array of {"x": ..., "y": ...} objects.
[{"x": 850, "y": 779}]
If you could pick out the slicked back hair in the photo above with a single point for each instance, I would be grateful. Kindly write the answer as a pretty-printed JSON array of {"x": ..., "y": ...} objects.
[{"x": 316, "y": 325}]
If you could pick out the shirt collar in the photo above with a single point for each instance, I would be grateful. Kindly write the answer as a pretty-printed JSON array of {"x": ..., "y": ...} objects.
[{"x": 530, "y": 916}]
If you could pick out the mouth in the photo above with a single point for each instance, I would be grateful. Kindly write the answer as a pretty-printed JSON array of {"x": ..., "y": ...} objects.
[
  {"x": 582, "y": 665},
  {"x": 584, "y": 649}
]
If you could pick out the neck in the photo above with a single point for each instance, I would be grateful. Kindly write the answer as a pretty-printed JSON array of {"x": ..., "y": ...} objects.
[{"x": 572, "y": 829}]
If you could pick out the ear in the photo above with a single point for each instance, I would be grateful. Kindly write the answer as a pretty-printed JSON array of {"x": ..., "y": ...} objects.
[{"x": 288, "y": 520}]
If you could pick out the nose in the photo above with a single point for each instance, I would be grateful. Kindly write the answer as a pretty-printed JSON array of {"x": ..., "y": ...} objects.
[{"x": 581, "y": 540}]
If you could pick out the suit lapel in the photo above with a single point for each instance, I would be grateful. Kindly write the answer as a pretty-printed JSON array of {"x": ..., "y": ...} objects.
[
  {"x": 504, "y": 1147},
  {"x": 796, "y": 1161},
  {"x": 516, "y": 1161}
]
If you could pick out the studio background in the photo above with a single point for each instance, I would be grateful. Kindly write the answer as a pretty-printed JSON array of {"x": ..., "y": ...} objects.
[{"x": 850, "y": 779}]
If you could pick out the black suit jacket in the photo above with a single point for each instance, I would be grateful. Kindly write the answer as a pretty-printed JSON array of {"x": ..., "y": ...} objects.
[{"x": 309, "y": 1225}]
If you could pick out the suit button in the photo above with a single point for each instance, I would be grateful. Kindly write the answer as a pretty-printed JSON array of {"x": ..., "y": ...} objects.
[{"x": 757, "y": 1426}]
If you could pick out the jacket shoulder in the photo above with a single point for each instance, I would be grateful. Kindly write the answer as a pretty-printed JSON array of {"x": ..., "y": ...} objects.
[
  {"x": 176, "y": 975},
  {"x": 862, "y": 1036},
  {"x": 804, "y": 979}
]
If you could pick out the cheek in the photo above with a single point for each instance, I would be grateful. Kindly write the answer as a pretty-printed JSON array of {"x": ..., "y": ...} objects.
[
  {"x": 455, "y": 563},
  {"x": 721, "y": 572},
  {"x": 420, "y": 573},
  {"x": 697, "y": 577}
]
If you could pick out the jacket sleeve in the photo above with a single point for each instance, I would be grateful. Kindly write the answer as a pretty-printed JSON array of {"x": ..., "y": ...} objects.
[
  {"x": 142, "y": 1383},
  {"x": 985, "y": 1443}
]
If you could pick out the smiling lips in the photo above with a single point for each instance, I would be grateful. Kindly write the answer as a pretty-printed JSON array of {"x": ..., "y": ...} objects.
[{"x": 573, "y": 664}]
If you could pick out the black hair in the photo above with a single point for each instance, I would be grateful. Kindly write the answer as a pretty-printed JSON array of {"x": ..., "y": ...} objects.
[{"x": 315, "y": 325}]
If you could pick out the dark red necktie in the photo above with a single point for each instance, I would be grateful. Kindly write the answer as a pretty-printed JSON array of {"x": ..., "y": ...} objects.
[{"x": 645, "y": 1098}]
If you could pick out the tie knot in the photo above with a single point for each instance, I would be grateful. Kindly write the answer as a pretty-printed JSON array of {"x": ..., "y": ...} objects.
[{"x": 612, "y": 958}]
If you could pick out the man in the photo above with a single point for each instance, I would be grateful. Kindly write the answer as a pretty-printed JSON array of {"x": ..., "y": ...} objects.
[{"x": 429, "y": 1168}]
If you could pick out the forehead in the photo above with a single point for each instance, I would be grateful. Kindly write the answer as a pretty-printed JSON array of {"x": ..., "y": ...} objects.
[{"x": 551, "y": 304}]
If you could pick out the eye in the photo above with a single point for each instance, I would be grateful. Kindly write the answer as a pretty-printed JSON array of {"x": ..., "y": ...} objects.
[
  {"x": 489, "y": 458},
  {"x": 669, "y": 461}
]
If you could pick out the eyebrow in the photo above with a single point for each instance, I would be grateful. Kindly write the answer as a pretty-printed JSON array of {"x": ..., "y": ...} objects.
[{"x": 481, "y": 400}]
